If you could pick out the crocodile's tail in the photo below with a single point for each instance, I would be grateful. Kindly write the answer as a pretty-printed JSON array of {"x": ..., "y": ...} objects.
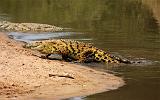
[
  {"x": 102, "y": 56},
  {"x": 122, "y": 60},
  {"x": 105, "y": 57}
]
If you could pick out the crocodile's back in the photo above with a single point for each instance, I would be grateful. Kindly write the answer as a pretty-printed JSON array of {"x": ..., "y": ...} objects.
[
  {"x": 84, "y": 51},
  {"x": 73, "y": 49}
]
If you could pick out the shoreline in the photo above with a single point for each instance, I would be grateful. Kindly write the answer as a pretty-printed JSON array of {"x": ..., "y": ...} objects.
[{"x": 24, "y": 76}]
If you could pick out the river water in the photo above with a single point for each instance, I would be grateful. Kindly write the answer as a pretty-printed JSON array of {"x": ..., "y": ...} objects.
[{"x": 129, "y": 28}]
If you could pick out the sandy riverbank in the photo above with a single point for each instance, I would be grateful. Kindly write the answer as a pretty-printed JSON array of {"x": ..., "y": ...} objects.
[{"x": 28, "y": 77}]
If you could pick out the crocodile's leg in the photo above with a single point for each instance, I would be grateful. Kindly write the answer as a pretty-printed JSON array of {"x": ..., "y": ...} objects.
[
  {"x": 86, "y": 57},
  {"x": 52, "y": 56},
  {"x": 45, "y": 56},
  {"x": 67, "y": 58}
]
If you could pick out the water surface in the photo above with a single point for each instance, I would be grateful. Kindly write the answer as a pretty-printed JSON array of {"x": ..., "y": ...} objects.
[{"x": 129, "y": 28}]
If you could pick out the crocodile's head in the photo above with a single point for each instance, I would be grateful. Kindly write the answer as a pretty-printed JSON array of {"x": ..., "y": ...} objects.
[
  {"x": 32, "y": 45},
  {"x": 42, "y": 46}
]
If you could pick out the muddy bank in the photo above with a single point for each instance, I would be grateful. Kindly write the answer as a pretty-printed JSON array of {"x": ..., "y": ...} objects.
[{"x": 25, "y": 76}]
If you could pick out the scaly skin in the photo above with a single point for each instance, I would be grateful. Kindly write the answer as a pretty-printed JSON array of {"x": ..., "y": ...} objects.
[{"x": 74, "y": 50}]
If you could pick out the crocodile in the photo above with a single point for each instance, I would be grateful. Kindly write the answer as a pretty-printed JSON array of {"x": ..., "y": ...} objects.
[
  {"x": 27, "y": 27},
  {"x": 74, "y": 51}
]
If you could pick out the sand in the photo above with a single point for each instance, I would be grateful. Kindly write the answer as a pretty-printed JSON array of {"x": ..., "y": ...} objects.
[{"x": 24, "y": 76}]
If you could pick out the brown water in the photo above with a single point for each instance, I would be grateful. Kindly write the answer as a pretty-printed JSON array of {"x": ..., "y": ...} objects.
[{"x": 129, "y": 28}]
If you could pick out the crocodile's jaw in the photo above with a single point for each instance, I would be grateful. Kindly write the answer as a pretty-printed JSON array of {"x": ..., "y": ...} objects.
[{"x": 34, "y": 45}]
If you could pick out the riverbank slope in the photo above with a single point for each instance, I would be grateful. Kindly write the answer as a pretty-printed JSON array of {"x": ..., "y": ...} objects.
[{"x": 25, "y": 76}]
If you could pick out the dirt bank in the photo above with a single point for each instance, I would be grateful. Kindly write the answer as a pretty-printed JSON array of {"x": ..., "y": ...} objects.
[{"x": 25, "y": 76}]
